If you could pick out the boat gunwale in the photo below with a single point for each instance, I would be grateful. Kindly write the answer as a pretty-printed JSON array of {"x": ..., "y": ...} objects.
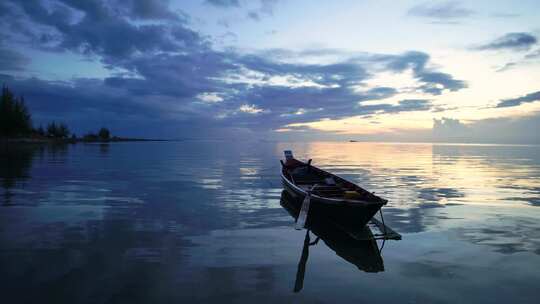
[{"x": 333, "y": 201}]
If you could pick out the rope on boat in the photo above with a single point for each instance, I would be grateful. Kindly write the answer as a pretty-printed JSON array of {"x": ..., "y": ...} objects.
[
  {"x": 315, "y": 242},
  {"x": 384, "y": 225},
  {"x": 382, "y": 246},
  {"x": 384, "y": 232}
]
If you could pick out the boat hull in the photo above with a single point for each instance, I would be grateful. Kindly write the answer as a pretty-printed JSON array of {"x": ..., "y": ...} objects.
[
  {"x": 352, "y": 215},
  {"x": 364, "y": 253}
]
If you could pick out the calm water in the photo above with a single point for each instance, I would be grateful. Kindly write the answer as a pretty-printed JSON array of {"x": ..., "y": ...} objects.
[{"x": 202, "y": 222}]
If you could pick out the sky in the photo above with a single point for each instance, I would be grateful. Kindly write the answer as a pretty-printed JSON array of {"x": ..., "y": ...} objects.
[{"x": 437, "y": 71}]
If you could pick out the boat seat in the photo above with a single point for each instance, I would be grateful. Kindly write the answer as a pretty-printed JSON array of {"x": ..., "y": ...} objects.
[
  {"x": 328, "y": 190},
  {"x": 307, "y": 181},
  {"x": 323, "y": 186},
  {"x": 330, "y": 194}
]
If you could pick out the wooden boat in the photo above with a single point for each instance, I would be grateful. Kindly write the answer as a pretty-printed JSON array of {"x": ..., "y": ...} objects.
[{"x": 345, "y": 202}]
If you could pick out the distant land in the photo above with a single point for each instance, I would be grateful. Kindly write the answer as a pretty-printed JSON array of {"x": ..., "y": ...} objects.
[{"x": 45, "y": 140}]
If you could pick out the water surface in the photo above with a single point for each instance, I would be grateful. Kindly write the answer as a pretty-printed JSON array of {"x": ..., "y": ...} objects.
[{"x": 201, "y": 221}]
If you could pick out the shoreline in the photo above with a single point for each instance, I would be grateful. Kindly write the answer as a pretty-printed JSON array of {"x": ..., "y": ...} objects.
[{"x": 26, "y": 140}]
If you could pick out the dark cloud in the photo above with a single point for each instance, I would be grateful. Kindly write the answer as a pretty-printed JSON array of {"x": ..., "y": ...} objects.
[
  {"x": 415, "y": 60},
  {"x": 414, "y": 105},
  {"x": 79, "y": 95},
  {"x": 433, "y": 82},
  {"x": 254, "y": 15},
  {"x": 175, "y": 75},
  {"x": 511, "y": 41},
  {"x": 103, "y": 29},
  {"x": 266, "y": 9},
  {"x": 148, "y": 9},
  {"x": 11, "y": 60},
  {"x": 4, "y": 9},
  {"x": 223, "y": 3},
  {"x": 444, "y": 11},
  {"x": 512, "y": 102},
  {"x": 344, "y": 73},
  {"x": 405, "y": 105},
  {"x": 436, "y": 82},
  {"x": 86, "y": 104}
]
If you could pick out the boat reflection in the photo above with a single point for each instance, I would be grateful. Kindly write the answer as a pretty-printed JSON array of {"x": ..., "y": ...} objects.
[{"x": 356, "y": 247}]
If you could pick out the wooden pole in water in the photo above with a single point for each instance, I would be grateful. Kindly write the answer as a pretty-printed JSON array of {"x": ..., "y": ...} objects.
[
  {"x": 302, "y": 217},
  {"x": 299, "y": 282}
]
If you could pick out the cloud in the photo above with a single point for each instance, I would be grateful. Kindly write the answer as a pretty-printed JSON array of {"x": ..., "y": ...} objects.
[
  {"x": 265, "y": 8},
  {"x": 224, "y": 3},
  {"x": 271, "y": 89},
  {"x": 524, "y": 60},
  {"x": 519, "y": 130},
  {"x": 160, "y": 70},
  {"x": 511, "y": 41},
  {"x": 250, "y": 109},
  {"x": 510, "y": 130},
  {"x": 512, "y": 102},
  {"x": 442, "y": 11},
  {"x": 506, "y": 67},
  {"x": 533, "y": 55},
  {"x": 449, "y": 129},
  {"x": 504, "y": 15}
]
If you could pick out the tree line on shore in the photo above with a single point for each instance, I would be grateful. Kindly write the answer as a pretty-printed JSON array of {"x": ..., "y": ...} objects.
[{"x": 16, "y": 122}]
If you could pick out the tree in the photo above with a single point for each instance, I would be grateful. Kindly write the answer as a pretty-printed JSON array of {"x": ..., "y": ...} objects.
[
  {"x": 90, "y": 137},
  {"x": 104, "y": 134},
  {"x": 63, "y": 131},
  {"x": 23, "y": 120},
  {"x": 57, "y": 130},
  {"x": 52, "y": 129},
  {"x": 40, "y": 131},
  {"x": 6, "y": 113},
  {"x": 15, "y": 119}
]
